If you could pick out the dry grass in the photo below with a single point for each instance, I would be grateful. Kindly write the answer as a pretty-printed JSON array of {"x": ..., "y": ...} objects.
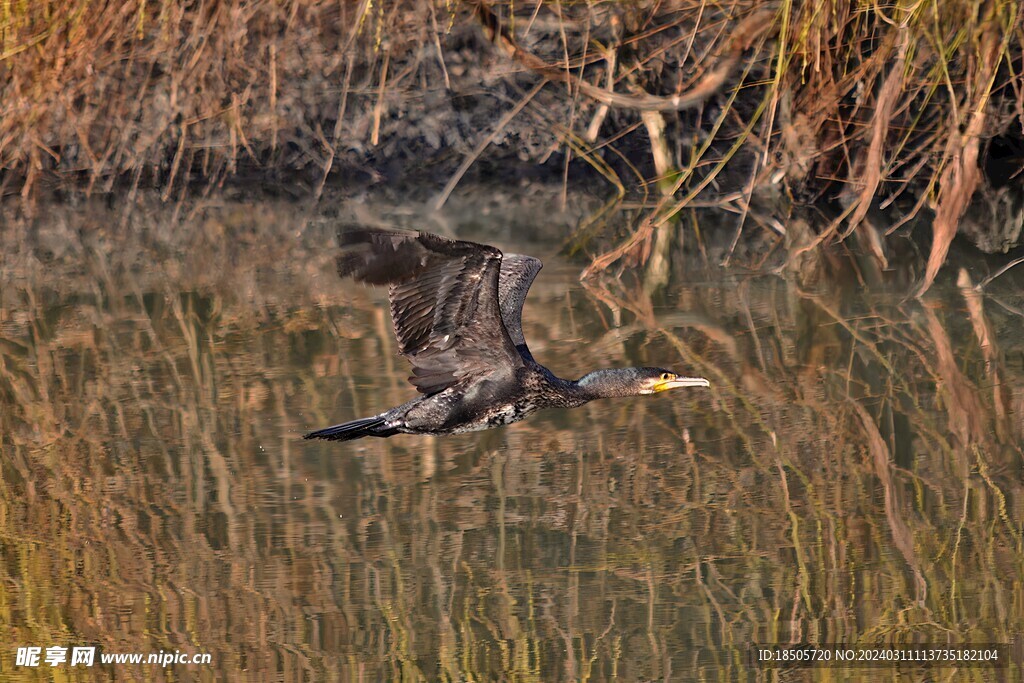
[
  {"x": 883, "y": 108},
  {"x": 165, "y": 92}
]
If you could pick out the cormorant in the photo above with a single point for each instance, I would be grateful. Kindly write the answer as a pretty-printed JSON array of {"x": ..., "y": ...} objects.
[{"x": 457, "y": 312}]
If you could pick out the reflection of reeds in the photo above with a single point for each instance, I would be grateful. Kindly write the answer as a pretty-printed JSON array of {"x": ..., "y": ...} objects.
[{"x": 843, "y": 480}]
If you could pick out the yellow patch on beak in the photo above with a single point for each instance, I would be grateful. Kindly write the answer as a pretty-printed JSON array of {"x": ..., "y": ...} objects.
[{"x": 662, "y": 385}]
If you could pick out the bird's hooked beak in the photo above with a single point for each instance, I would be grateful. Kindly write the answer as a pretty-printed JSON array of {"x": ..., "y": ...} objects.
[{"x": 674, "y": 382}]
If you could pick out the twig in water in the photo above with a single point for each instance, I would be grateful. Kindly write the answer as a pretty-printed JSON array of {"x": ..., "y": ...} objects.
[{"x": 981, "y": 285}]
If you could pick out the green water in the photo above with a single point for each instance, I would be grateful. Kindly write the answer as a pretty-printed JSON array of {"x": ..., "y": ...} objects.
[{"x": 853, "y": 475}]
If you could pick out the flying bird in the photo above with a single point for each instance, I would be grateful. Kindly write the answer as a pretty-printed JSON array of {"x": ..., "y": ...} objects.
[{"x": 457, "y": 312}]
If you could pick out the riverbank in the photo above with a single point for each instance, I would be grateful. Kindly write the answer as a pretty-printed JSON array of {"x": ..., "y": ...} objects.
[{"x": 881, "y": 117}]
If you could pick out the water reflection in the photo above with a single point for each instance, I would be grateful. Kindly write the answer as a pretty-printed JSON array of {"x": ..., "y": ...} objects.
[{"x": 853, "y": 474}]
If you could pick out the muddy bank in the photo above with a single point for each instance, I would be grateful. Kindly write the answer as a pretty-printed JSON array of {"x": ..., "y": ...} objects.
[{"x": 882, "y": 116}]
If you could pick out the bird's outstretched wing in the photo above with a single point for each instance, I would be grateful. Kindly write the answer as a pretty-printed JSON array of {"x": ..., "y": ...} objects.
[
  {"x": 444, "y": 302},
  {"x": 517, "y": 274}
]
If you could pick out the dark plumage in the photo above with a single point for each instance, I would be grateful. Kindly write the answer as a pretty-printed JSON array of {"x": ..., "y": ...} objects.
[{"x": 457, "y": 312}]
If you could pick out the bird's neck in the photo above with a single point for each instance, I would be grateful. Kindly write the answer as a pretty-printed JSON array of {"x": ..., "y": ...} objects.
[{"x": 606, "y": 384}]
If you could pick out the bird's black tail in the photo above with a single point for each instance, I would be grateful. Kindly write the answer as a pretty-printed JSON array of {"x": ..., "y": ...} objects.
[{"x": 357, "y": 429}]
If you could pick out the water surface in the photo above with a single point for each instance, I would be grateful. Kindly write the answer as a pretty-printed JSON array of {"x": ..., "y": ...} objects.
[{"x": 854, "y": 473}]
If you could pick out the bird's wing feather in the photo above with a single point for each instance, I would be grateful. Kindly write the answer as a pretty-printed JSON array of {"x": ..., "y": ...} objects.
[
  {"x": 444, "y": 302},
  {"x": 517, "y": 274}
]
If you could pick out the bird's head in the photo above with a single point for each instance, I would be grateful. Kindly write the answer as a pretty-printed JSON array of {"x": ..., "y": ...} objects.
[
  {"x": 636, "y": 381},
  {"x": 654, "y": 380}
]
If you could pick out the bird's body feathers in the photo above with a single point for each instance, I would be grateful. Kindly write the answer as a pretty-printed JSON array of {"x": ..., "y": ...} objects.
[{"x": 457, "y": 313}]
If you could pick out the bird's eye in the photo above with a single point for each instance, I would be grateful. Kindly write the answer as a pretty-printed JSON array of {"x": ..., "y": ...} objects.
[{"x": 666, "y": 376}]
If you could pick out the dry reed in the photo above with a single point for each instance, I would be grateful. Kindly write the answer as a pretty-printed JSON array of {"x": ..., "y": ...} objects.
[{"x": 887, "y": 110}]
